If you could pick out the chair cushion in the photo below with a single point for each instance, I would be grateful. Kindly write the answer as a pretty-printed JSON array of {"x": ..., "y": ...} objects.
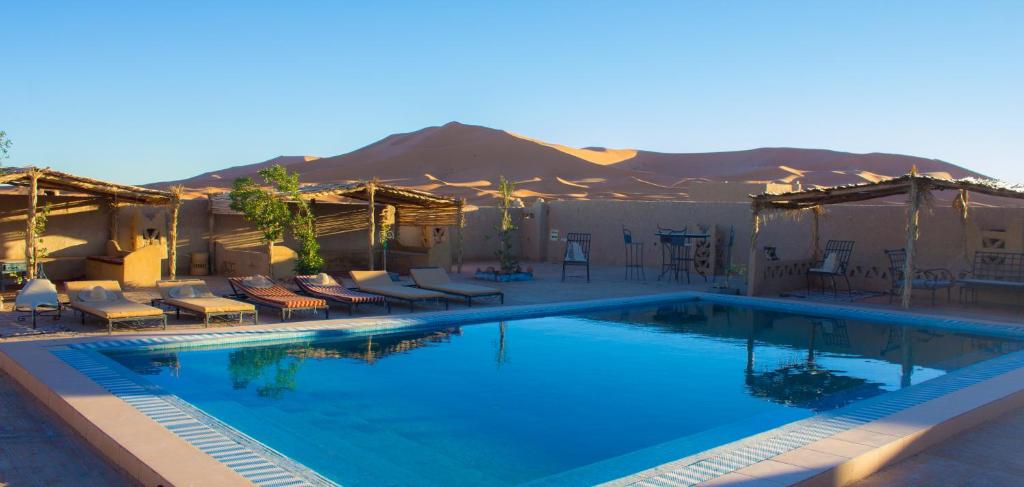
[
  {"x": 574, "y": 253},
  {"x": 118, "y": 308},
  {"x": 211, "y": 305},
  {"x": 402, "y": 292},
  {"x": 181, "y": 292}
]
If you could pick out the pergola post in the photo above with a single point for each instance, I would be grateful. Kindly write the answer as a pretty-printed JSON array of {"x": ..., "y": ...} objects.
[
  {"x": 172, "y": 252},
  {"x": 211, "y": 229},
  {"x": 752, "y": 260},
  {"x": 30, "y": 225},
  {"x": 113, "y": 218},
  {"x": 913, "y": 215},
  {"x": 460, "y": 222},
  {"x": 370, "y": 190},
  {"x": 816, "y": 233}
]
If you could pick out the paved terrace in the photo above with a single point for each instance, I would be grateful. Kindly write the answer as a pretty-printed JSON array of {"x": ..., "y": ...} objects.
[{"x": 36, "y": 449}]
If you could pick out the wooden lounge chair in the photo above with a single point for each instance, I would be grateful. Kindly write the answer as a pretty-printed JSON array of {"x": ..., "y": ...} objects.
[
  {"x": 104, "y": 300},
  {"x": 378, "y": 282},
  {"x": 333, "y": 292},
  {"x": 436, "y": 279},
  {"x": 194, "y": 296},
  {"x": 264, "y": 292}
]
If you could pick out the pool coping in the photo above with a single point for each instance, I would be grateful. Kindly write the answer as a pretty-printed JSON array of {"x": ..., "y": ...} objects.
[{"x": 153, "y": 454}]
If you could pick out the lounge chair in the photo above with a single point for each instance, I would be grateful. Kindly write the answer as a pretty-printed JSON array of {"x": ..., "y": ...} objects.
[
  {"x": 834, "y": 264},
  {"x": 436, "y": 279},
  {"x": 378, "y": 282},
  {"x": 262, "y": 291},
  {"x": 194, "y": 296},
  {"x": 104, "y": 300},
  {"x": 37, "y": 297},
  {"x": 325, "y": 287}
]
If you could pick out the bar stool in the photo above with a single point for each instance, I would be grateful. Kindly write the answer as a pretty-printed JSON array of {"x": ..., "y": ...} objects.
[{"x": 634, "y": 256}]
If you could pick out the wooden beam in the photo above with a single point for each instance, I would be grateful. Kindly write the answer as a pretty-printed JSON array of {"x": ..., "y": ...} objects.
[
  {"x": 913, "y": 215},
  {"x": 30, "y": 225},
  {"x": 752, "y": 260},
  {"x": 172, "y": 251},
  {"x": 211, "y": 239},
  {"x": 370, "y": 190},
  {"x": 460, "y": 222}
]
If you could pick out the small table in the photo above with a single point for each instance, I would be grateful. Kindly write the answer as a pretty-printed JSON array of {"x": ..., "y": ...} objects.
[
  {"x": 675, "y": 252},
  {"x": 19, "y": 267}
]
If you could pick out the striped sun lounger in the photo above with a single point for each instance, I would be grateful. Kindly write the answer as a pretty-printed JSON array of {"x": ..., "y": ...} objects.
[
  {"x": 336, "y": 293},
  {"x": 278, "y": 297}
]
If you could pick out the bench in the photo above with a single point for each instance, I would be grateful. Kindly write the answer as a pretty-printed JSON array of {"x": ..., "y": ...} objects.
[{"x": 994, "y": 270}]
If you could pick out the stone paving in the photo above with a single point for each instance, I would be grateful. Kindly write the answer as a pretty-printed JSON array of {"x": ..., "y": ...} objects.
[
  {"x": 43, "y": 451},
  {"x": 36, "y": 448}
]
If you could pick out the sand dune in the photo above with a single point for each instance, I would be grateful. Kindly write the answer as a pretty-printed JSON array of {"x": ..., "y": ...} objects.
[{"x": 467, "y": 160}]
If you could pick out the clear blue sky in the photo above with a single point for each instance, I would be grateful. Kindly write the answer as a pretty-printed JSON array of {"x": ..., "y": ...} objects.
[{"x": 145, "y": 91}]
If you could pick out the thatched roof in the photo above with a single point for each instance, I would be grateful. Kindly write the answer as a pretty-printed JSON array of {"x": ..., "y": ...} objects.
[
  {"x": 62, "y": 181},
  {"x": 809, "y": 198},
  {"x": 414, "y": 207}
]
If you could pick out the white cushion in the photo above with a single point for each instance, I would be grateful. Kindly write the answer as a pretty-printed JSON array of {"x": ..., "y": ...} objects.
[
  {"x": 574, "y": 253},
  {"x": 93, "y": 295},
  {"x": 258, "y": 282},
  {"x": 323, "y": 279},
  {"x": 183, "y": 292}
]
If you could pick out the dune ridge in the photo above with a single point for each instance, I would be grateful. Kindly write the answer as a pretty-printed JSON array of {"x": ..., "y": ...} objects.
[{"x": 467, "y": 160}]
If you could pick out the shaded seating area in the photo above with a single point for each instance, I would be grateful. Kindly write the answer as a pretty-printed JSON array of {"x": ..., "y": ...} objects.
[
  {"x": 932, "y": 280},
  {"x": 577, "y": 253},
  {"x": 436, "y": 279},
  {"x": 917, "y": 188},
  {"x": 325, "y": 287},
  {"x": 195, "y": 297},
  {"x": 262, "y": 291},
  {"x": 380, "y": 283},
  {"x": 105, "y": 301},
  {"x": 139, "y": 266}
]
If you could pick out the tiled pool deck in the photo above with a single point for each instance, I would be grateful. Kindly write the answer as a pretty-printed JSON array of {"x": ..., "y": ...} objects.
[{"x": 819, "y": 447}]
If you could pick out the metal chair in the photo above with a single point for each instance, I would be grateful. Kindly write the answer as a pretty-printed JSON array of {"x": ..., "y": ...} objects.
[
  {"x": 577, "y": 252},
  {"x": 634, "y": 256},
  {"x": 928, "y": 279},
  {"x": 842, "y": 250}
]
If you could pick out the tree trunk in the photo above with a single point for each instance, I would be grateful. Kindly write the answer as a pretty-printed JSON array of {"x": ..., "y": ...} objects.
[
  {"x": 913, "y": 215},
  {"x": 270, "y": 258},
  {"x": 172, "y": 252},
  {"x": 752, "y": 260},
  {"x": 370, "y": 190}
]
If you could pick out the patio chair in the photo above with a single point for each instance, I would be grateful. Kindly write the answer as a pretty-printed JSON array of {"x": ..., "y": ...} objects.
[
  {"x": 194, "y": 296},
  {"x": 37, "y": 297},
  {"x": 262, "y": 291},
  {"x": 833, "y": 264},
  {"x": 436, "y": 279},
  {"x": 105, "y": 301},
  {"x": 379, "y": 282},
  {"x": 327, "y": 288},
  {"x": 577, "y": 252},
  {"x": 928, "y": 279}
]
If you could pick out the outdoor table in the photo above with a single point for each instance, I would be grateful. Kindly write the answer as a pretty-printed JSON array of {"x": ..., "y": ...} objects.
[{"x": 675, "y": 252}]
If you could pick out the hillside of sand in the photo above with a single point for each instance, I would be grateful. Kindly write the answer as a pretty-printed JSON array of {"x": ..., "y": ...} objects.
[{"x": 467, "y": 161}]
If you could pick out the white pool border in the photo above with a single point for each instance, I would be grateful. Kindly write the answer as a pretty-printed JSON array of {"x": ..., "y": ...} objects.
[{"x": 739, "y": 460}]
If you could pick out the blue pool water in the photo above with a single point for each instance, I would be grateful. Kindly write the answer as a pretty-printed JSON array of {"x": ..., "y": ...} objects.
[{"x": 559, "y": 400}]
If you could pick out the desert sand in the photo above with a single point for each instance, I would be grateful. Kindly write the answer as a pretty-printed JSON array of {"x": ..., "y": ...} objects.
[{"x": 467, "y": 160}]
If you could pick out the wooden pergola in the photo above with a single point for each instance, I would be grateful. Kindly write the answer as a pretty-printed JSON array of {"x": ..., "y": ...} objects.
[
  {"x": 413, "y": 207},
  {"x": 35, "y": 179},
  {"x": 914, "y": 185}
]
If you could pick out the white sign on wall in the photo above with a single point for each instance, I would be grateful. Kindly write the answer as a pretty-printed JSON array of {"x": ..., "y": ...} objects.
[{"x": 554, "y": 235}]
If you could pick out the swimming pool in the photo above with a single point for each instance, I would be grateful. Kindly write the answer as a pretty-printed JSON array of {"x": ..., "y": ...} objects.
[{"x": 559, "y": 400}]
